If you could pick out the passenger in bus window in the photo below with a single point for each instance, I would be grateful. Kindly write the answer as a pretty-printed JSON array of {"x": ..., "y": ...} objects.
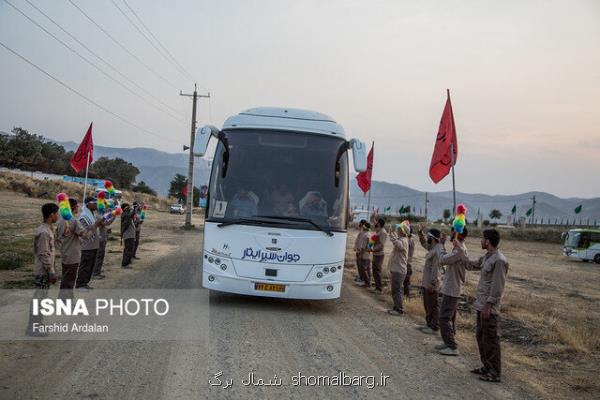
[
  {"x": 243, "y": 204},
  {"x": 281, "y": 199},
  {"x": 313, "y": 205}
]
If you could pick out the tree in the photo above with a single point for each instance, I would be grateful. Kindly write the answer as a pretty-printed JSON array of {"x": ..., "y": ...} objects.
[
  {"x": 142, "y": 187},
  {"x": 495, "y": 214},
  {"x": 120, "y": 172},
  {"x": 176, "y": 188},
  {"x": 447, "y": 214}
]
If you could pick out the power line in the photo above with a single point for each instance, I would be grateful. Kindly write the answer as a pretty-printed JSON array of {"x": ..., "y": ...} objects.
[
  {"x": 111, "y": 37},
  {"x": 86, "y": 59},
  {"x": 104, "y": 61},
  {"x": 159, "y": 42},
  {"x": 106, "y": 110},
  {"x": 133, "y": 24}
]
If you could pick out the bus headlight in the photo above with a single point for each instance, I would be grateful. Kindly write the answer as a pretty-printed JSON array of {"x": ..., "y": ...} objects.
[
  {"x": 217, "y": 261},
  {"x": 211, "y": 278},
  {"x": 319, "y": 274},
  {"x": 326, "y": 270},
  {"x": 332, "y": 270},
  {"x": 223, "y": 267},
  {"x": 329, "y": 288},
  {"x": 210, "y": 259}
]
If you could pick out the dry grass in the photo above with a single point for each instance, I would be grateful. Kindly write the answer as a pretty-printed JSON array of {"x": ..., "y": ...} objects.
[{"x": 550, "y": 317}]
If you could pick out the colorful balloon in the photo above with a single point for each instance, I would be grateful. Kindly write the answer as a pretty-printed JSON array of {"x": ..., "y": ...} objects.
[
  {"x": 109, "y": 188},
  {"x": 101, "y": 202},
  {"x": 64, "y": 207},
  {"x": 372, "y": 240},
  {"x": 143, "y": 212}
]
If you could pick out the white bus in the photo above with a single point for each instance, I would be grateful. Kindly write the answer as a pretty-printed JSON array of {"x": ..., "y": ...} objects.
[
  {"x": 277, "y": 206},
  {"x": 582, "y": 244}
]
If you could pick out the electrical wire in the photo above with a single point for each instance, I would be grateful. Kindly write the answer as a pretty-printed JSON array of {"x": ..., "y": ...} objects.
[
  {"x": 90, "y": 62},
  {"x": 111, "y": 37},
  {"x": 75, "y": 91}
]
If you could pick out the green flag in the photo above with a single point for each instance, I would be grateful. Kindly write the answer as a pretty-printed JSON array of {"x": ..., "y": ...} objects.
[
  {"x": 401, "y": 210},
  {"x": 388, "y": 208},
  {"x": 528, "y": 213},
  {"x": 514, "y": 209},
  {"x": 578, "y": 209}
]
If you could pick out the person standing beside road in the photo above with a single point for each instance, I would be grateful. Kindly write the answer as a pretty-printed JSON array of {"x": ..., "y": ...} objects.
[
  {"x": 89, "y": 247},
  {"x": 44, "y": 254},
  {"x": 127, "y": 234},
  {"x": 411, "y": 252},
  {"x": 378, "y": 254},
  {"x": 490, "y": 289},
  {"x": 103, "y": 232},
  {"x": 137, "y": 220},
  {"x": 451, "y": 289},
  {"x": 398, "y": 265},
  {"x": 362, "y": 255},
  {"x": 69, "y": 235},
  {"x": 430, "y": 281}
]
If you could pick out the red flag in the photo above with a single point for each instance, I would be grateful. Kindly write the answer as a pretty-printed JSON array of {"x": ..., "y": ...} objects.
[
  {"x": 184, "y": 191},
  {"x": 364, "y": 178},
  {"x": 80, "y": 159},
  {"x": 442, "y": 159}
]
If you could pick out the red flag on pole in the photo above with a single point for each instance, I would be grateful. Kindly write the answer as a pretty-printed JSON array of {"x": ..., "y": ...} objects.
[
  {"x": 80, "y": 159},
  {"x": 364, "y": 178},
  {"x": 446, "y": 147},
  {"x": 184, "y": 191}
]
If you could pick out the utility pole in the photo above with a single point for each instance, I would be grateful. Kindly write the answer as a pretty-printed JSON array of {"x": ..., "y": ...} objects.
[
  {"x": 190, "y": 182},
  {"x": 533, "y": 211},
  {"x": 426, "y": 201}
]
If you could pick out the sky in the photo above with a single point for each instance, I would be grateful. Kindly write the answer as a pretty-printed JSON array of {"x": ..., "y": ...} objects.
[{"x": 524, "y": 78}]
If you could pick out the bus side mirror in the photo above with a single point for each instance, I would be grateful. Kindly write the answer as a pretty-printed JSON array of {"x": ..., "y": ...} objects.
[
  {"x": 202, "y": 138},
  {"x": 359, "y": 155}
]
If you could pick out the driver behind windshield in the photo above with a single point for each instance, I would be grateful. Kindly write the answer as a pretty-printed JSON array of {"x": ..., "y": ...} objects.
[
  {"x": 313, "y": 205},
  {"x": 243, "y": 204}
]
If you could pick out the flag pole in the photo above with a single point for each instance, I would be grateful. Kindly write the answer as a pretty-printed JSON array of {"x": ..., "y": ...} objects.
[
  {"x": 452, "y": 156},
  {"x": 87, "y": 164},
  {"x": 371, "y": 181}
]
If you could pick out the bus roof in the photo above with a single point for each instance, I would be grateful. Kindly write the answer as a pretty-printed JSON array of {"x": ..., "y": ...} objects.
[
  {"x": 595, "y": 230},
  {"x": 289, "y": 119}
]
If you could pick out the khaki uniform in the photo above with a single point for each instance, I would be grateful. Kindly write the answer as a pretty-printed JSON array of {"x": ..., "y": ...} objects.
[
  {"x": 431, "y": 279},
  {"x": 451, "y": 288},
  {"x": 43, "y": 250},
  {"x": 128, "y": 236},
  {"x": 409, "y": 271},
  {"x": 68, "y": 237},
  {"x": 378, "y": 256},
  {"x": 363, "y": 257},
  {"x": 398, "y": 265},
  {"x": 494, "y": 268}
]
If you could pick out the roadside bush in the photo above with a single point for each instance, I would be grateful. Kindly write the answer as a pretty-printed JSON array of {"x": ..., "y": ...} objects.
[{"x": 11, "y": 260}]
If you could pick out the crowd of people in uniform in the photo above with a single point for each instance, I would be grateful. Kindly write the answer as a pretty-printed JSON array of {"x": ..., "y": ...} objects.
[
  {"x": 444, "y": 274},
  {"x": 81, "y": 241}
]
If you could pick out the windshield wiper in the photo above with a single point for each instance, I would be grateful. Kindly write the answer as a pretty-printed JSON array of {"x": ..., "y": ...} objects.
[{"x": 298, "y": 219}]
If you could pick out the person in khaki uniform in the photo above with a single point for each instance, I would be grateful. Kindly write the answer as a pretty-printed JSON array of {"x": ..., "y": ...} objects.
[
  {"x": 490, "y": 289},
  {"x": 409, "y": 271},
  {"x": 363, "y": 257},
  {"x": 127, "y": 234},
  {"x": 430, "y": 282},
  {"x": 44, "y": 273},
  {"x": 378, "y": 254},
  {"x": 398, "y": 265},
  {"x": 69, "y": 235},
  {"x": 89, "y": 247},
  {"x": 452, "y": 284}
]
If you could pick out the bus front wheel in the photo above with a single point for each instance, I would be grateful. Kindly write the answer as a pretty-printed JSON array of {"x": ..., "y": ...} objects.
[{"x": 597, "y": 258}]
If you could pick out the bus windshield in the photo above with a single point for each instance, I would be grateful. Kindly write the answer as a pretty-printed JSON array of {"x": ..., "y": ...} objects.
[
  {"x": 281, "y": 178},
  {"x": 572, "y": 239}
]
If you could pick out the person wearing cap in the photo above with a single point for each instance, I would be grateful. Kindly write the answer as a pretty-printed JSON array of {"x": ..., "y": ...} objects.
[
  {"x": 409, "y": 270},
  {"x": 89, "y": 247},
  {"x": 69, "y": 235},
  {"x": 127, "y": 234},
  {"x": 452, "y": 284},
  {"x": 398, "y": 264},
  {"x": 378, "y": 254},
  {"x": 430, "y": 281}
]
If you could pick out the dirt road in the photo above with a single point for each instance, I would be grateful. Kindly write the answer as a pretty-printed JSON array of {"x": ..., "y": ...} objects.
[{"x": 269, "y": 337}]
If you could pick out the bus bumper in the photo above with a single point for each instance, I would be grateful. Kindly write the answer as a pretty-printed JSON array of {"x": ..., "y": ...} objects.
[{"x": 293, "y": 290}]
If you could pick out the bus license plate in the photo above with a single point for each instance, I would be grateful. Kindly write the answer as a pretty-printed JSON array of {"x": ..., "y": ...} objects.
[{"x": 269, "y": 287}]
